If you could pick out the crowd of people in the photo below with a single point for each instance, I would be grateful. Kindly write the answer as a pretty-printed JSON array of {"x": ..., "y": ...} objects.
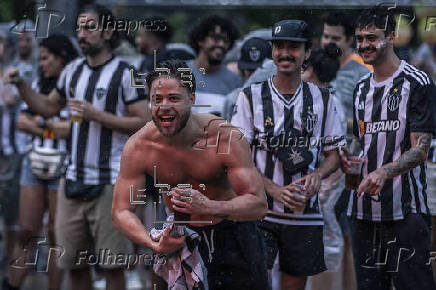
[{"x": 253, "y": 156}]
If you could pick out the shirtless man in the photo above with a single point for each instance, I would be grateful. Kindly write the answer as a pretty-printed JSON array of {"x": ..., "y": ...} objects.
[{"x": 234, "y": 197}]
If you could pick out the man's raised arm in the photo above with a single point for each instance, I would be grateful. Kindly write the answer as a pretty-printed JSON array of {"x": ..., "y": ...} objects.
[{"x": 46, "y": 106}]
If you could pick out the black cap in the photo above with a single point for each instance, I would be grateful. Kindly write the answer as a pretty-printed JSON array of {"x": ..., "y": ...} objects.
[
  {"x": 293, "y": 30},
  {"x": 253, "y": 52}
]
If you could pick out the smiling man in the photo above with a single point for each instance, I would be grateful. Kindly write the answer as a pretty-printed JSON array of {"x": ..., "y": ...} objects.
[
  {"x": 211, "y": 38},
  {"x": 177, "y": 144},
  {"x": 284, "y": 104},
  {"x": 394, "y": 110}
]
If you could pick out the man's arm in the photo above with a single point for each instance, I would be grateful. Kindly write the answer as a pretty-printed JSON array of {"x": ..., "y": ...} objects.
[
  {"x": 330, "y": 163},
  {"x": 61, "y": 129},
  {"x": 138, "y": 114},
  {"x": 46, "y": 106},
  {"x": 250, "y": 202},
  {"x": 416, "y": 155},
  {"x": 28, "y": 124},
  {"x": 123, "y": 217}
]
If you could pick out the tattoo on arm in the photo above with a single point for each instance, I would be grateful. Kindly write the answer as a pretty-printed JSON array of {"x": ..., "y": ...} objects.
[
  {"x": 424, "y": 141},
  {"x": 410, "y": 159}
]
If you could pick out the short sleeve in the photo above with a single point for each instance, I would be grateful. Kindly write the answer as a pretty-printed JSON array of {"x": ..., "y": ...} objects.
[
  {"x": 131, "y": 94},
  {"x": 422, "y": 106},
  {"x": 242, "y": 117},
  {"x": 356, "y": 128},
  {"x": 61, "y": 83},
  {"x": 334, "y": 133}
]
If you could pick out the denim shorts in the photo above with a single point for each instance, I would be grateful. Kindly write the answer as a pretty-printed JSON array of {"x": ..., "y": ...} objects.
[{"x": 30, "y": 179}]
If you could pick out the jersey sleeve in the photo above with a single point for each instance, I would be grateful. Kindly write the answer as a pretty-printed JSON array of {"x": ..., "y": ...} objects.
[
  {"x": 131, "y": 94},
  {"x": 334, "y": 134},
  {"x": 243, "y": 118},
  {"x": 356, "y": 128},
  {"x": 422, "y": 106},
  {"x": 62, "y": 83}
]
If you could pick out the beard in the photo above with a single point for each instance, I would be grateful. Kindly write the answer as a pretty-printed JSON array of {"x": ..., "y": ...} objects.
[
  {"x": 179, "y": 126},
  {"x": 91, "y": 50},
  {"x": 215, "y": 61},
  {"x": 24, "y": 53}
]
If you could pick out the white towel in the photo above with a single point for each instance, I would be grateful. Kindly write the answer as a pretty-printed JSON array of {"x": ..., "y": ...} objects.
[{"x": 184, "y": 269}]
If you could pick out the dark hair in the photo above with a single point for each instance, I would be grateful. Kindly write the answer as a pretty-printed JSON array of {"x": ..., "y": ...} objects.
[
  {"x": 173, "y": 65},
  {"x": 325, "y": 62},
  {"x": 154, "y": 25},
  {"x": 341, "y": 19},
  {"x": 61, "y": 46},
  {"x": 108, "y": 21},
  {"x": 379, "y": 16},
  {"x": 204, "y": 25}
]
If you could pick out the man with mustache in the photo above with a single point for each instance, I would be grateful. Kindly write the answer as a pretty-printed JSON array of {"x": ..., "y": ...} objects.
[
  {"x": 292, "y": 171},
  {"x": 211, "y": 38},
  {"x": 177, "y": 146},
  {"x": 394, "y": 122},
  {"x": 97, "y": 88}
]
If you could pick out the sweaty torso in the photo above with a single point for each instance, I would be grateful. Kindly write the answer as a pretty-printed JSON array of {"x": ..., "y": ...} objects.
[{"x": 198, "y": 165}]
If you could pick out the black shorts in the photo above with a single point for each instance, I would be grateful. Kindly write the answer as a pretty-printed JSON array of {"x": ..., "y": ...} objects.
[
  {"x": 300, "y": 248},
  {"x": 397, "y": 251},
  {"x": 234, "y": 255}
]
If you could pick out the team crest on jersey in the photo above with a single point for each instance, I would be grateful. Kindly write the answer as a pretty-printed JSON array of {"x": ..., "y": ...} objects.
[
  {"x": 254, "y": 54},
  {"x": 269, "y": 122},
  {"x": 310, "y": 122},
  {"x": 100, "y": 92},
  {"x": 394, "y": 100},
  {"x": 361, "y": 106}
]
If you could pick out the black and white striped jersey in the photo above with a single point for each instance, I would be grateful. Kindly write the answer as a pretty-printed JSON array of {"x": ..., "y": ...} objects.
[
  {"x": 12, "y": 140},
  {"x": 8, "y": 118},
  {"x": 385, "y": 114},
  {"x": 96, "y": 150},
  {"x": 253, "y": 118},
  {"x": 39, "y": 141}
]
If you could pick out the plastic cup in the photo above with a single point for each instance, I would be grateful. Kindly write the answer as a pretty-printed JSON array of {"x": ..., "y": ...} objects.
[{"x": 352, "y": 177}]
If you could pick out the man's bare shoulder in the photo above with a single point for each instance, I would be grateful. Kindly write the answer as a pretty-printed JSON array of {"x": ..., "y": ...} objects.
[
  {"x": 213, "y": 124},
  {"x": 228, "y": 138},
  {"x": 141, "y": 140}
]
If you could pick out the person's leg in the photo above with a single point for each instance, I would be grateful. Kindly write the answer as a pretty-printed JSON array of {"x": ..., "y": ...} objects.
[
  {"x": 81, "y": 278},
  {"x": 293, "y": 282},
  {"x": 32, "y": 207},
  {"x": 115, "y": 279},
  {"x": 72, "y": 235},
  {"x": 366, "y": 241},
  {"x": 348, "y": 273},
  {"x": 54, "y": 272},
  {"x": 411, "y": 267},
  {"x": 270, "y": 234},
  {"x": 107, "y": 238},
  {"x": 301, "y": 254}
]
